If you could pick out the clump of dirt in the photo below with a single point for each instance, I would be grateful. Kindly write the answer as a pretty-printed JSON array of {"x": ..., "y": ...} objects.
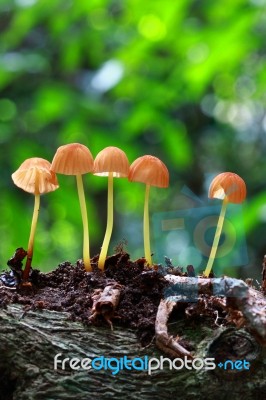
[
  {"x": 69, "y": 288},
  {"x": 87, "y": 296}
]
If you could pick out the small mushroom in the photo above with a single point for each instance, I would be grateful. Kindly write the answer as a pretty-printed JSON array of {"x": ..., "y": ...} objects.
[
  {"x": 111, "y": 162},
  {"x": 76, "y": 159},
  {"x": 34, "y": 176},
  {"x": 153, "y": 172},
  {"x": 230, "y": 188}
]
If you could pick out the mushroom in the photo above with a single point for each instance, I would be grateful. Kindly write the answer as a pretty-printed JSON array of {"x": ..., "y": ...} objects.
[
  {"x": 230, "y": 188},
  {"x": 34, "y": 176},
  {"x": 76, "y": 159},
  {"x": 153, "y": 172},
  {"x": 111, "y": 162}
]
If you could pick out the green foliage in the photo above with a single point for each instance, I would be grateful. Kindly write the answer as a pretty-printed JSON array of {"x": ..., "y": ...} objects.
[{"x": 182, "y": 80}]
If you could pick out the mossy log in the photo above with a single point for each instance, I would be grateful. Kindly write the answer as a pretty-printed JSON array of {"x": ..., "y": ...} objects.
[{"x": 30, "y": 340}]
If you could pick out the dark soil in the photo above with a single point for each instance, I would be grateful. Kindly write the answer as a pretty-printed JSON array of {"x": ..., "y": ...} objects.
[{"x": 69, "y": 288}]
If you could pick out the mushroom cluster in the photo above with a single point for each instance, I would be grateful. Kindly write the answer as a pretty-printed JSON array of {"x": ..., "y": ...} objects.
[{"x": 38, "y": 176}]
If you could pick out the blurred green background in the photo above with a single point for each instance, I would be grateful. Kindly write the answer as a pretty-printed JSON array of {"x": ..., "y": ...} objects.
[{"x": 182, "y": 80}]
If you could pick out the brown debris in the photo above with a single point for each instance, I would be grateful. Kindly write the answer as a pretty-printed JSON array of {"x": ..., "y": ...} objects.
[
  {"x": 105, "y": 302},
  {"x": 245, "y": 305},
  {"x": 15, "y": 262},
  {"x": 168, "y": 344}
]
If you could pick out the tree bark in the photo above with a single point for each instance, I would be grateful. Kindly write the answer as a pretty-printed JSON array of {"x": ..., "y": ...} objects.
[{"x": 30, "y": 340}]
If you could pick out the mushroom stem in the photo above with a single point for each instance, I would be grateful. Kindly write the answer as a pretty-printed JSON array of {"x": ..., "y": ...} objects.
[
  {"x": 83, "y": 208},
  {"x": 110, "y": 220},
  {"x": 35, "y": 215},
  {"x": 146, "y": 227},
  {"x": 216, "y": 238}
]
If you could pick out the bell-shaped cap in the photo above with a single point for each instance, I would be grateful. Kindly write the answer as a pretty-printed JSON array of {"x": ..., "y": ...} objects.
[
  {"x": 111, "y": 159},
  {"x": 72, "y": 159},
  {"x": 149, "y": 170},
  {"x": 35, "y": 176},
  {"x": 229, "y": 186}
]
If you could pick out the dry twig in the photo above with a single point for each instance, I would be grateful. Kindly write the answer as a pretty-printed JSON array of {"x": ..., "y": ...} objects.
[
  {"x": 105, "y": 302},
  {"x": 163, "y": 341}
]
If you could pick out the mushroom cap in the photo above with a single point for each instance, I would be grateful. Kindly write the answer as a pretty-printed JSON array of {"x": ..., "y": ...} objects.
[
  {"x": 111, "y": 159},
  {"x": 150, "y": 170},
  {"x": 228, "y": 185},
  {"x": 72, "y": 159},
  {"x": 34, "y": 176}
]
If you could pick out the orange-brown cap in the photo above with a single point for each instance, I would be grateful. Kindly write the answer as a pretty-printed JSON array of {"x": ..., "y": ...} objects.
[
  {"x": 72, "y": 159},
  {"x": 34, "y": 176},
  {"x": 111, "y": 159},
  {"x": 149, "y": 170},
  {"x": 228, "y": 185}
]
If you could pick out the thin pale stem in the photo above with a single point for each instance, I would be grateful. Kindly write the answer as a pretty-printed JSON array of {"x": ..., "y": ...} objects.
[
  {"x": 216, "y": 238},
  {"x": 83, "y": 209},
  {"x": 146, "y": 227},
  {"x": 26, "y": 271},
  {"x": 110, "y": 221}
]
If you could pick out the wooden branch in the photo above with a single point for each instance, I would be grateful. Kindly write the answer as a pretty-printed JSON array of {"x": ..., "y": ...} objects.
[
  {"x": 253, "y": 309},
  {"x": 168, "y": 344},
  {"x": 30, "y": 341},
  {"x": 250, "y": 303},
  {"x": 183, "y": 286}
]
